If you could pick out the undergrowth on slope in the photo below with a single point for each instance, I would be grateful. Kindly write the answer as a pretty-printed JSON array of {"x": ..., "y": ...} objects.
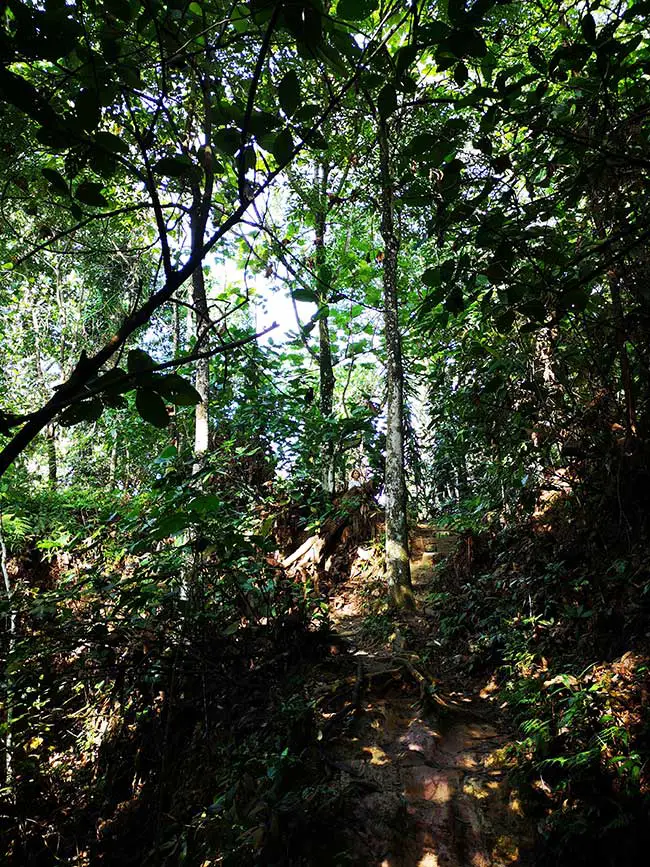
[
  {"x": 159, "y": 710},
  {"x": 558, "y": 615}
]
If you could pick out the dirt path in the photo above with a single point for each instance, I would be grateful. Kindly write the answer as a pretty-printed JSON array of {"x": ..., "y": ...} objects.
[{"x": 428, "y": 764}]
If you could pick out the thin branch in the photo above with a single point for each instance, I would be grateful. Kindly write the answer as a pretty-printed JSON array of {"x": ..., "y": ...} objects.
[
  {"x": 252, "y": 93},
  {"x": 129, "y": 378}
]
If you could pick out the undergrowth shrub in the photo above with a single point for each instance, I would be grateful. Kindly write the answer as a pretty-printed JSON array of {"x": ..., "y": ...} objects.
[
  {"x": 561, "y": 623},
  {"x": 153, "y": 694}
]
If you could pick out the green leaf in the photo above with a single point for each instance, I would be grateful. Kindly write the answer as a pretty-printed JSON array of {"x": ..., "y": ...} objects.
[
  {"x": 248, "y": 157},
  {"x": 90, "y": 193},
  {"x": 289, "y": 93},
  {"x": 315, "y": 139},
  {"x": 113, "y": 382},
  {"x": 283, "y": 147},
  {"x": 421, "y": 143},
  {"x": 308, "y": 112},
  {"x": 240, "y": 18},
  {"x": 305, "y": 22},
  {"x": 505, "y": 321},
  {"x": 227, "y": 140},
  {"x": 575, "y": 298},
  {"x": 195, "y": 9},
  {"x": 178, "y": 390},
  {"x": 433, "y": 33},
  {"x": 355, "y": 10},
  {"x": 174, "y": 167},
  {"x": 431, "y": 277},
  {"x": 386, "y": 101},
  {"x": 461, "y": 74},
  {"x": 456, "y": 11},
  {"x": 88, "y": 109},
  {"x": 205, "y": 503},
  {"x": 85, "y": 410},
  {"x": 466, "y": 43},
  {"x": 536, "y": 58},
  {"x": 138, "y": 360},
  {"x": 305, "y": 295},
  {"x": 112, "y": 143},
  {"x": 262, "y": 122},
  {"x": 119, "y": 8},
  {"x": 455, "y": 303},
  {"x": 171, "y": 525},
  {"x": 405, "y": 56},
  {"x": 588, "y": 27},
  {"x": 325, "y": 275},
  {"x": 56, "y": 180},
  {"x": 151, "y": 407},
  {"x": 115, "y": 401},
  {"x": 333, "y": 58},
  {"x": 167, "y": 454}
]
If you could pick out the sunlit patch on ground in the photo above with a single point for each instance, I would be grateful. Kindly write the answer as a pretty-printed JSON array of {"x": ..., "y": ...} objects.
[{"x": 430, "y": 786}]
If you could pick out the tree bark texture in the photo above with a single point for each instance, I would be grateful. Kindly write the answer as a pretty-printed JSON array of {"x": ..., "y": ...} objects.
[
  {"x": 202, "y": 373},
  {"x": 202, "y": 332},
  {"x": 327, "y": 380},
  {"x": 50, "y": 433},
  {"x": 620, "y": 331},
  {"x": 398, "y": 570}
]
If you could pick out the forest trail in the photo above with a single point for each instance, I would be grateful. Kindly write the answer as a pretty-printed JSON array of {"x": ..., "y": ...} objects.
[{"x": 428, "y": 759}]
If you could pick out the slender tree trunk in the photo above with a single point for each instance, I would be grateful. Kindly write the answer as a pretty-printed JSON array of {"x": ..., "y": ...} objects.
[
  {"x": 50, "y": 433},
  {"x": 398, "y": 570},
  {"x": 10, "y": 632},
  {"x": 605, "y": 217},
  {"x": 112, "y": 467},
  {"x": 198, "y": 221},
  {"x": 202, "y": 374},
  {"x": 327, "y": 380},
  {"x": 623, "y": 359},
  {"x": 50, "y": 430}
]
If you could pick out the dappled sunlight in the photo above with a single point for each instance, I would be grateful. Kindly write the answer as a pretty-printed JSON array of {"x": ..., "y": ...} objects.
[
  {"x": 429, "y": 779},
  {"x": 377, "y": 755}
]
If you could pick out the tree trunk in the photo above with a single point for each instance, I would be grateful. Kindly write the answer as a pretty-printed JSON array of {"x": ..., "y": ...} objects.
[
  {"x": 112, "y": 467},
  {"x": 50, "y": 430},
  {"x": 398, "y": 570},
  {"x": 327, "y": 380},
  {"x": 623, "y": 359},
  {"x": 10, "y": 643},
  {"x": 202, "y": 373},
  {"x": 50, "y": 433},
  {"x": 198, "y": 221}
]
